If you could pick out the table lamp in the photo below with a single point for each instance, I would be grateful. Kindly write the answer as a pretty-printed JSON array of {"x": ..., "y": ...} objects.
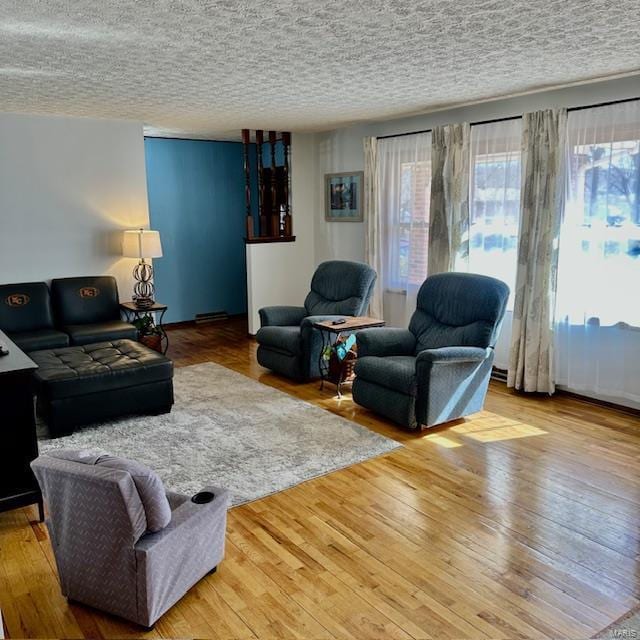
[{"x": 141, "y": 244}]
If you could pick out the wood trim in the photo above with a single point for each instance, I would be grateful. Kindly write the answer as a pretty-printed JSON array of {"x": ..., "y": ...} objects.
[
  {"x": 269, "y": 239},
  {"x": 185, "y": 324}
]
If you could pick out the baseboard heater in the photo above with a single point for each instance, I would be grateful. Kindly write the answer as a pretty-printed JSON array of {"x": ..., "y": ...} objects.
[
  {"x": 499, "y": 374},
  {"x": 213, "y": 316}
]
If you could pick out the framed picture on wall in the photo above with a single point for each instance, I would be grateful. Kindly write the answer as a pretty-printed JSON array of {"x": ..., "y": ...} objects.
[{"x": 343, "y": 194}]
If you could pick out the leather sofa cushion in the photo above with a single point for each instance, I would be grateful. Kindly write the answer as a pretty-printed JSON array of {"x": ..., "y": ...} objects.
[
  {"x": 150, "y": 489},
  {"x": 101, "y": 332},
  {"x": 285, "y": 339},
  {"x": 85, "y": 300},
  {"x": 94, "y": 368},
  {"x": 394, "y": 372},
  {"x": 25, "y": 307},
  {"x": 40, "y": 339}
]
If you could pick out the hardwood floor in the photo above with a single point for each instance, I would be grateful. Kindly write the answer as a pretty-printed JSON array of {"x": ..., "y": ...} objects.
[{"x": 520, "y": 522}]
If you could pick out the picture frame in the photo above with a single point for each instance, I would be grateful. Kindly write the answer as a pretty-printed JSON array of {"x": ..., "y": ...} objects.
[{"x": 343, "y": 194}]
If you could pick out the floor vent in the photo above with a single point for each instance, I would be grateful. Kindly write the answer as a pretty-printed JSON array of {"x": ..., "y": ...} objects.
[{"x": 214, "y": 316}]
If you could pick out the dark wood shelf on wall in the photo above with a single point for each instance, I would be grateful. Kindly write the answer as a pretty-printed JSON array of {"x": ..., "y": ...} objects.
[{"x": 268, "y": 239}]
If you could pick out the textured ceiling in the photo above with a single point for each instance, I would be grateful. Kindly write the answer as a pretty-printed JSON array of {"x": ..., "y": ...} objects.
[{"x": 208, "y": 68}]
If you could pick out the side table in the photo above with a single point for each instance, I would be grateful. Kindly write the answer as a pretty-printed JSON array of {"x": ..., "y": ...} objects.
[
  {"x": 133, "y": 313},
  {"x": 330, "y": 333}
]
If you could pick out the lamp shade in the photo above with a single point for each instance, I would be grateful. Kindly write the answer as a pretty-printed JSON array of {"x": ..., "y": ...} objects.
[{"x": 141, "y": 243}]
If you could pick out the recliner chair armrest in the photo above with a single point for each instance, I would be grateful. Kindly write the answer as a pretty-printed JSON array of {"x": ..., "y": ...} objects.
[
  {"x": 172, "y": 560},
  {"x": 453, "y": 355},
  {"x": 185, "y": 517},
  {"x": 281, "y": 316},
  {"x": 385, "y": 341}
]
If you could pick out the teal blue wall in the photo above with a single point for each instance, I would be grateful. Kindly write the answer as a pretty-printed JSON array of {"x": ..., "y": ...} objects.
[{"x": 196, "y": 202}]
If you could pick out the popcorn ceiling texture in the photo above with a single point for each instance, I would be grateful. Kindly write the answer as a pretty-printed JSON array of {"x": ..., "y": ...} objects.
[{"x": 208, "y": 68}]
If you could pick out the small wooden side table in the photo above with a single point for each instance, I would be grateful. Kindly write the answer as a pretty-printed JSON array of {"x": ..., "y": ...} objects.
[
  {"x": 330, "y": 333},
  {"x": 132, "y": 312}
]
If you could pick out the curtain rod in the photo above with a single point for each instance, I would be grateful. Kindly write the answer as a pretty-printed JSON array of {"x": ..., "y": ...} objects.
[{"x": 507, "y": 118}]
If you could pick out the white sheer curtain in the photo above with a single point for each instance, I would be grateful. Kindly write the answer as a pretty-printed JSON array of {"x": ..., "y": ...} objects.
[
  {"x": 405, "y": 182},
  {"x": 598, "y": 303},
  {"x": 373, "y": 239},
  {"x": 494, "y": 212}
]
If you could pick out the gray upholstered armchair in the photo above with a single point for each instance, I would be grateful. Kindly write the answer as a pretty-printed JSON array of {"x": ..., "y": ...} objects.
[
  {"x": 121, "y": 544},
  {"x": 438, "y": 369},
  {"x": 288, "y": 343}
]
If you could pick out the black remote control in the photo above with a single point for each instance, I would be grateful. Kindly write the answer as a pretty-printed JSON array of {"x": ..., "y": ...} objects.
[{"x": 340, "y": 321}]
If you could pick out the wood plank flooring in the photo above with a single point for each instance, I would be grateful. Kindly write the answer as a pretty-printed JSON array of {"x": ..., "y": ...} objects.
[{"x": 521, "y": 522}]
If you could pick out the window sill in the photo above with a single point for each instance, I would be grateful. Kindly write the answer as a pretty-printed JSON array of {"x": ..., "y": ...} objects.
[{"x": 399, "y": 292}]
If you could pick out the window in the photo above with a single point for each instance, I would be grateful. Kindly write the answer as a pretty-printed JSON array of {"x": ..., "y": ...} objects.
[
  {"x": 494, "y": 208},
  {"x": 405, "y": 193},
  {"x": 412, "y": 225},
  {"x": 600, "y": 238}
]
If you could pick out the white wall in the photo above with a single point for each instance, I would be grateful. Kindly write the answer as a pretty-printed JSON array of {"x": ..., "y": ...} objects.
[
  {"x": 68, "y": 186},
  {"x": 280, "y": 272}
]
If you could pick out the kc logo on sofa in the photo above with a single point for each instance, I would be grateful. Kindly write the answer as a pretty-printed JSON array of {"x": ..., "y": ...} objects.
[
  {"x": 89, "y": 292},
  {"x": 17, "y": 300}
]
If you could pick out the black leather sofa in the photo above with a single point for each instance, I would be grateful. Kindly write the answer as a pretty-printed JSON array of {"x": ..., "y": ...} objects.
[
  {"x": 77, "y": 311},
  {"x": 90, "y": 366}
]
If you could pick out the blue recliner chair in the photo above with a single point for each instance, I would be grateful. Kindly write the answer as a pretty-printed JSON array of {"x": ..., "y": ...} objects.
[
  {"x": 288, "y": 343},
  {"x": 438, "y": 369}
]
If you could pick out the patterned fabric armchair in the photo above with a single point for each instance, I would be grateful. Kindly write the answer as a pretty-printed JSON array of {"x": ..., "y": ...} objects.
[
  {"x": 288, "y": 343},
  {"x": 438, "y": 369},
  {"x": 123, "y": 545}
]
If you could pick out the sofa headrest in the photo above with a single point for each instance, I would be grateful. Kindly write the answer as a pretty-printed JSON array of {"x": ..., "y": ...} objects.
[
  {"x": 25, "y": 307},
  {"x": 85, "y": 300}
]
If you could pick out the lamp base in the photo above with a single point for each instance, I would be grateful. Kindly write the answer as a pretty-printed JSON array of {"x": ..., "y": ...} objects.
[
  {"x": 143, "y": 303},
  {"x": 143, "y": 290}
]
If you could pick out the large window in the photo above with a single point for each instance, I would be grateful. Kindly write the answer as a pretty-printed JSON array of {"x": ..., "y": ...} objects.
[
  {"x": 494, "y": 207},
  {"x": 598, "y": 304},
  {"x": 405, "y": 185},
  {"x": 600, "y": 238},
  {"x": 412, "y": 225}
]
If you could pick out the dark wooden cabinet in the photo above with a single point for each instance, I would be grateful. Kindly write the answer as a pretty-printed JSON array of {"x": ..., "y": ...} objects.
[{"x": 18, "y": 441}]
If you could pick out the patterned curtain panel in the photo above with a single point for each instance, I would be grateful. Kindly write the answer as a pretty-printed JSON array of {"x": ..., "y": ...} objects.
[
  {"x": 449, "y": 227},
  {"x": 373, "y": 238},
  {"x": 544, "y": 147}
]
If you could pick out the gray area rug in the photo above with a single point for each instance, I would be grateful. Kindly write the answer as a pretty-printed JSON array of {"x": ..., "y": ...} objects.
[{"x": 229, "y": 430}]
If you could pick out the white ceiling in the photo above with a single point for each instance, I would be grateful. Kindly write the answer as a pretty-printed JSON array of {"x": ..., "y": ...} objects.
[{"x": 209, "y": 68}]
